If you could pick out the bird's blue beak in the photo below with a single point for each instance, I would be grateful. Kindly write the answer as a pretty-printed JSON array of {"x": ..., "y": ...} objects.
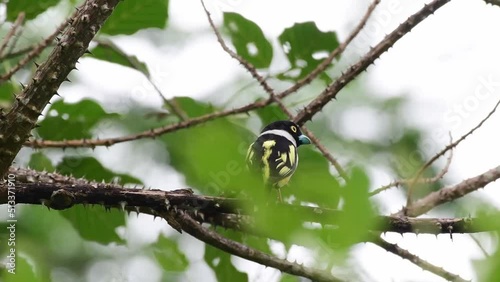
[{"x": 304, "y": 140}]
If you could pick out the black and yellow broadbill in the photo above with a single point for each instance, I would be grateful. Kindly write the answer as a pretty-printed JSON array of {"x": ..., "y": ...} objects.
[{"x": 274, "y": 153}]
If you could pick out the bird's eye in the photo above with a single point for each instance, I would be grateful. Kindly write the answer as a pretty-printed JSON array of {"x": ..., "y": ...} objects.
[{"x": 293, "y": 128}]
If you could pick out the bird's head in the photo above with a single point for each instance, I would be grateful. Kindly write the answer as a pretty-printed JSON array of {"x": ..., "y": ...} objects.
[{"x": 290, "y": 127}]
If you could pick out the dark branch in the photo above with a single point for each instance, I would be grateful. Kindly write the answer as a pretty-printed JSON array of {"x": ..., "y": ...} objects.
[
  {"x": 395, "y": 249},
  {"x": 213, "y": 238},
  {"x": 352, "y": 72},
  {"x": 61, "y": 192},
  {"x": 16, "y": 125}
]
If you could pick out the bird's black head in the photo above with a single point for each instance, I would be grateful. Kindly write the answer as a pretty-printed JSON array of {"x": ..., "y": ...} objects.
[{"x": 290, "y": 127}]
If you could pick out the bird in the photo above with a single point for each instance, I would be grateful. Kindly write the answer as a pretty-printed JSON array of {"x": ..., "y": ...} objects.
[{"x": 274, "y": 153}]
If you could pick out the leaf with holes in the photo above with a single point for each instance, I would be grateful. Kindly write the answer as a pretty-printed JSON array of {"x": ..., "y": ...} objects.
[
  {"x": 305, "y": 47},
  {"x": 249, "y": 40}
]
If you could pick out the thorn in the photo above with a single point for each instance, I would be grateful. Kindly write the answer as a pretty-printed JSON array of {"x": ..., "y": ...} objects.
[
  {"x": 88, "y": 52},
  {"x": 67, "y": 79}
]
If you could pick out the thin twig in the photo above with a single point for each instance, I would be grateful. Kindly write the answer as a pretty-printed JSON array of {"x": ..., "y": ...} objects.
[
  {"x": 400, "y": 182},
  {"x": 19, "y": 21},
  {"x": 235, "y": 248},
  {"x": 434, "y": 179},
  {"x": 449, "y": 194},
  {"x": 246, "y": 64},
  {"x": 445, "y": 149},
  {"x": 152, "y": 133},
  {"x": 395, "y": 249},
  {"x": 352, "y": 72},
  {"x": 35, "y": 51},
  {"x": 480, "y": 246}
]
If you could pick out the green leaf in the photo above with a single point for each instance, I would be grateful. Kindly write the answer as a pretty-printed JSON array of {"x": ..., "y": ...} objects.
[
  {"x": 92, "y": 169},
  {"x": 95, "y": 223},
  {"x": 302, "y": 43},
  {"x": 224, "y": 269},
  {"x": 40, "y": 162},
  {"x": 77, "y": 120},
  {"x": 169, "y": 256},
  {"x": 132, "y": 16},
  {"x": 249, "y": 40},
  {"x": 106, "y": 50},
  {"x": 29, "y": 7}
]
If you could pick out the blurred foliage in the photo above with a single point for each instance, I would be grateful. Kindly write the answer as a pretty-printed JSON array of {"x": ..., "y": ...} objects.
[{"x": 210, "y": 156}]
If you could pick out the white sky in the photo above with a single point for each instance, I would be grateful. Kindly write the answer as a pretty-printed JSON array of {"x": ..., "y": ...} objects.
[{"x": 441, "y": 65}]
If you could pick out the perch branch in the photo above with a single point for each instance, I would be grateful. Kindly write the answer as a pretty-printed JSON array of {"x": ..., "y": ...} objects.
[{"x": 33, "y": 187}]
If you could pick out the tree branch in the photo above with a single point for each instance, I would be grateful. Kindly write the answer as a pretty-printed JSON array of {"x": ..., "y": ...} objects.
[
  {"x": 451, "y": 193},
  {"x": 19, "y": 21},
  {"x": 62, "y": 192},
  {"x": 446, "y": 149},
  {"x": 212, "y": 238},
  {"x": 17, "y": 124},
  {"x": 395, "y": 249},
  {"x": 35, "y": 51},
  {"x": 333, "y": 89}
]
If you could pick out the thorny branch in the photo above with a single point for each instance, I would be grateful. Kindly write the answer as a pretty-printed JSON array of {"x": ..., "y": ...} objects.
[
  {"x": 213, "y": 238},
  {"x": 253, "y": 71},
  {"x": 60, "y": 192},
  {"x": 395, "y": 249},
  {"x": 449, "y": 194},
  {"x": 16, "y": 125},
  {"x": 352, "y": 72},
  {"x": 35, "y": 51},
  {"x": 400, "y": 182},
  {"x": 444, "y": 150}
]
